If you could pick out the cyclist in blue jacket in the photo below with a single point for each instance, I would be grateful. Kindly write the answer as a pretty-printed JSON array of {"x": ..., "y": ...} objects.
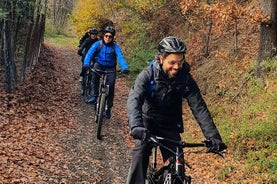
[
  {"x": 106, "y": 52},
  {"x": 157, "y": 109}
]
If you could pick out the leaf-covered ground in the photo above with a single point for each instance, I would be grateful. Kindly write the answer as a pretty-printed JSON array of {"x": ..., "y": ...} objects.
[{"x": 47, "y": 132}]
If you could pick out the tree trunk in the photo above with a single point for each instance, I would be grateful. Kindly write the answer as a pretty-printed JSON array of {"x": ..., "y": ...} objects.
[
  {"x": 8, "y": 49},
  {"x": 268, "y": 34},
  {"x": 6, "y": 55},
  {"x": 26, "y": 59}
]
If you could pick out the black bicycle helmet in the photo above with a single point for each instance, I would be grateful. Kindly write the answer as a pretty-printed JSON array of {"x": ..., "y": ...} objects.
[
  {"x": 93, "y": 31},
  {"x": 171, "y": 44},
  {"x": 110, "y": 29}
]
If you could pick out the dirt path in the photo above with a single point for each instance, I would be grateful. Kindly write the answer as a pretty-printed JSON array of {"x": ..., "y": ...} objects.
[
  {"x": 91, "y": 160},
  {"x": 48, "y": 133}
]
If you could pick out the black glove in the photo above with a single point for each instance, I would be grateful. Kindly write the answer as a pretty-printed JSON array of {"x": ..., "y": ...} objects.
[
  {"x": 80, "y": 52},
  {"x": 217, "y": 145},
  {"x": 85, "y": 68},
  {"x": 125, "y": 71},
  {"x": 140, "y": 133}
]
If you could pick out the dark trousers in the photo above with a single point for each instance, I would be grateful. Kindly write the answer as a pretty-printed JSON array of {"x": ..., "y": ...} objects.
[
  {"x": 110, "y": 80},
  {"x": 142, "y": 151}
]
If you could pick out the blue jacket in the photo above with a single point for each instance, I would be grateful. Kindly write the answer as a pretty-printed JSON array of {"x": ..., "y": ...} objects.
[{"x": 105, "y": 55}]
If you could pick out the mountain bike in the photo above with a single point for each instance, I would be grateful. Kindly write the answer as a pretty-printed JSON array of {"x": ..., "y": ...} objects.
[
  {"x": 173, "y": 171},
  {"x": 101, "y": 103}
]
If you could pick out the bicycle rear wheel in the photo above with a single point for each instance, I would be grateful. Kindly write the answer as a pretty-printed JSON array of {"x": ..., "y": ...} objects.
[{"x": 100, "y": 113}]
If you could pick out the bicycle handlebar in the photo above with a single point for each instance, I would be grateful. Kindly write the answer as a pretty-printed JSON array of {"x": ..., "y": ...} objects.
[
  {"x": 157, "y": 139},
  {"x": 100, "y": 72},
  {"x": 182, "y": 144}
]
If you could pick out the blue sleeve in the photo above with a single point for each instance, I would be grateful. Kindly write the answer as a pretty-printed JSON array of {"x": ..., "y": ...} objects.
[
  {"x": 90, "y": 54},
  {"x": 120, "y": 57}
]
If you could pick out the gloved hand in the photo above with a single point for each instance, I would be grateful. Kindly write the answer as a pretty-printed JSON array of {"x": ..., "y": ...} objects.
[
  {"x": 140, "y": 133},
  {"x": 217, "y": 145},
  {"x": 85, "y": 68},
  {"x": 125, "y": 71},
  {"x": 80, "y": 52}
]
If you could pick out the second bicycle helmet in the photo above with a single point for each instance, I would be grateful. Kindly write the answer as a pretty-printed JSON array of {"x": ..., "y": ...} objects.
[
  {"x": 171, "y": 44},
  {"x": 93, "y": 31},
  {"x": 109, "y": 29}
]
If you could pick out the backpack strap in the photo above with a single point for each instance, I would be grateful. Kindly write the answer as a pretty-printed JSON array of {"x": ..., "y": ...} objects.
[
  {"x": 94, "y": 58},
  {"x": 113, "y": 51},
  {"x": 152, "y": 80},
  {"x": 99, "y": 47}
]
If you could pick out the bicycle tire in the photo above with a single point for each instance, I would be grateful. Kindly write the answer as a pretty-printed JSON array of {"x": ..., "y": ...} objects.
[
  {"x": 187, "y": 180},
  {"x": 179, "y": 181},
  {"x": 100, "y": 114},
  {"x": 86, "y": 86}
]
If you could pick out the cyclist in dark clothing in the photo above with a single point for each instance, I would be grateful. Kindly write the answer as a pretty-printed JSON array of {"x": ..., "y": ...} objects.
[
  {"x": 85, "y": 46},
  {"x": 158, "y": 110},
  {"x": 84, "y": 37}
]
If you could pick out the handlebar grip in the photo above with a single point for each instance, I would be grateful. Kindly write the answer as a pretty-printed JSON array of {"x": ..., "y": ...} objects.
[{"x": 208, "y": 143}]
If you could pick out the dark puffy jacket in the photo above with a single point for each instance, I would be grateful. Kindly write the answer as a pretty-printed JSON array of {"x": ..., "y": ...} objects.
[
  {"x": 84, "y": 37},
  {"x": 83, "y": 49},
  {"x": 165, "y": 107}
]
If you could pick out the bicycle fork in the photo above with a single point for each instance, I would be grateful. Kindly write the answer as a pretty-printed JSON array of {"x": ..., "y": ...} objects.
[
  {"x": 180, "y": 168},
  {"x": 104, "y": 90}
]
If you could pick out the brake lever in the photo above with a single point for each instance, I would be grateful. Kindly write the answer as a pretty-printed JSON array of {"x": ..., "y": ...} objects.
[
  {"x": 208, "y": 144},
  {"x": 215, "y": 152}
]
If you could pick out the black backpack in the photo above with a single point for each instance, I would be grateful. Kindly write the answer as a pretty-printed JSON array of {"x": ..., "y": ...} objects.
[{"x": 152, "y": 84}]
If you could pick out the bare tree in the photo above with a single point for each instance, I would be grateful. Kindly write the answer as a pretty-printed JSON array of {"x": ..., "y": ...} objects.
[
  {"x": 34, "y": 36},
  {"x": 268, "y": 34},
  {"x": 17, "y": 45},
  {"x": 60, "y": 11},
  {"x": 8, "y": 45}
]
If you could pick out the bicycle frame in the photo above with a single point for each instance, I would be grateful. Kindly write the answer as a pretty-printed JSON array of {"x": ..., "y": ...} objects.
[
  {"x": 173, "y": 170},
  {"x": 101, "y": 104}
]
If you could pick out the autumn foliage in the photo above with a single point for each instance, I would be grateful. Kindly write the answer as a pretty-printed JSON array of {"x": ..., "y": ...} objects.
[{"x": 222, "y": 39}]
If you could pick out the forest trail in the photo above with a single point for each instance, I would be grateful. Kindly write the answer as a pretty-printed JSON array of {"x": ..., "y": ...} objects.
[
  {"x": 48, "y": 133},
  {"x": 95, "y": 161}
]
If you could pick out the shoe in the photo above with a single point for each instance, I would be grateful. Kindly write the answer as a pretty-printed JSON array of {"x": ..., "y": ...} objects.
[
  {"x": 108, "y": 113},
  {"x": 91, "y": 99},
  {"x": 81, "y": 79}
]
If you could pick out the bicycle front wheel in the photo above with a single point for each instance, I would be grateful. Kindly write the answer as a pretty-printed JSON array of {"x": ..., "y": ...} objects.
[{"x": 100, "y": 113}]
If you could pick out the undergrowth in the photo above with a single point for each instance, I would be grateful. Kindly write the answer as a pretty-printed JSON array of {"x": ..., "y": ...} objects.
[
  {"x": 249, "y": 125},
  {"x": 139, "y": 55},
  {"x": 62, "y": 40}
]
